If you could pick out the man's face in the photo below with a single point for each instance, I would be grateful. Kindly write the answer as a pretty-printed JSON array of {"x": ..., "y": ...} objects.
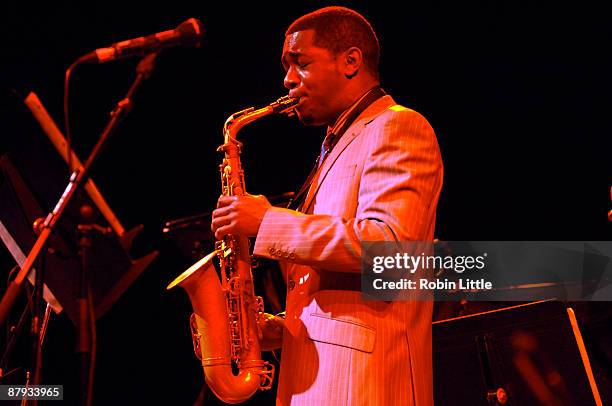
[{"x": 314, "y": 75}]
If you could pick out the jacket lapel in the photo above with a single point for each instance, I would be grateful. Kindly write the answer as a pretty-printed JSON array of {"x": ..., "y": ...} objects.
[{"x": 351, "y": 133}]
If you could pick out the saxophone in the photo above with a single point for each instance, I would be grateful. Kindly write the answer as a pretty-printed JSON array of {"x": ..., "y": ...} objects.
[{"x": 224, "y": 324}]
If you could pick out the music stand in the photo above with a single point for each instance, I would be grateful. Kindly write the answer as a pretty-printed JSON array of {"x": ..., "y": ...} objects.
[
  {"x": 529, "y": 354},
  {"x": 111, "y": 270}
]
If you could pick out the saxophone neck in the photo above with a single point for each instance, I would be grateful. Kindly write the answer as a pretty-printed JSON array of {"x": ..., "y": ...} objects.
[{"x": 238, "y": 120}]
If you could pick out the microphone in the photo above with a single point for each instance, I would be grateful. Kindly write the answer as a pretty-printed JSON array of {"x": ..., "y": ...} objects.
[{"x": 188, "y": 33}]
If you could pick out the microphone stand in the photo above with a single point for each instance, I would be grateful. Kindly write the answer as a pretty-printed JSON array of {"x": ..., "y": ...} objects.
[
  {"x": 37, "y": 300},
  {"x": 79, "y": 176},
  {"x": 86, "y": 328}
]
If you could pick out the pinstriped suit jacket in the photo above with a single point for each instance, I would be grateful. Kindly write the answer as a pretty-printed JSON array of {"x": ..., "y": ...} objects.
[{"x": 380, "y": 182}]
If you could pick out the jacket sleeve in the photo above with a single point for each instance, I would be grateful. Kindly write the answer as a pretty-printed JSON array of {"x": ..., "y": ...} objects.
[{"x": 397, "y": 199}]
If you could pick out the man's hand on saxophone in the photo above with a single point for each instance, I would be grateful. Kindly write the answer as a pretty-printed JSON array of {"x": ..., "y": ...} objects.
[
  {"x": 242, "y": 215},
  {"x": 271, "y": 327},
  {"x": 239, "y": 215}
]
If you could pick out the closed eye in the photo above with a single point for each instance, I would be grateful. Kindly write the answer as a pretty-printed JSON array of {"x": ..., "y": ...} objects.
[{"x": 303, "y": 63}]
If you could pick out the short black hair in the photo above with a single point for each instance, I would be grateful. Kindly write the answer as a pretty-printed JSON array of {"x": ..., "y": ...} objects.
[{"x": 339, "y": 28}]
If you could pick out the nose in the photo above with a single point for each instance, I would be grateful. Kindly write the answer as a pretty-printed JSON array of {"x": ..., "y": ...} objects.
[{"x": 291, "y": 79}]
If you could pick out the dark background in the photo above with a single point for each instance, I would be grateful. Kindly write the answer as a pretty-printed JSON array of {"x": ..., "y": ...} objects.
[{"x": 518, "y": 95}]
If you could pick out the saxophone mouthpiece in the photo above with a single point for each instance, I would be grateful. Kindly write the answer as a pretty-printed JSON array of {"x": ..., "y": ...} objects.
[{"x": 285, "y": 105}]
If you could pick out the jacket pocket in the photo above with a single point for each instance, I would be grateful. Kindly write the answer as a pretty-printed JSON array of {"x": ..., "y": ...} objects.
[{"x": 340, "y": 332}]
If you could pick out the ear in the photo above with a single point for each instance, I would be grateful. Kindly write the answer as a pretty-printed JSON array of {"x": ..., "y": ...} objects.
[{"x": 353, "y": 62}]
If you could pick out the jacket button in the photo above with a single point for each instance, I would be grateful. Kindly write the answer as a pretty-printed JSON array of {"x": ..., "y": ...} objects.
[
  {"x": 292, "y": 255},
  {"x": 291, "y": 284},
  {"x": 272, "y": 251}
]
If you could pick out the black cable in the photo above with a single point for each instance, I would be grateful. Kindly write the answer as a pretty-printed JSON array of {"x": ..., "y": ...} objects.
[
  {"x": 66, "y": 113},
  {"x": 12, "y": 339},
  {"x": 11, "y": 272},
  {"x": 94, "y": 345},
  {"x": 8, "y": 282}
]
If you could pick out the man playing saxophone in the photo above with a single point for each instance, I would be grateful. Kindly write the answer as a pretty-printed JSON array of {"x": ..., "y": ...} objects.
[{"x": 378, "y": 178}]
